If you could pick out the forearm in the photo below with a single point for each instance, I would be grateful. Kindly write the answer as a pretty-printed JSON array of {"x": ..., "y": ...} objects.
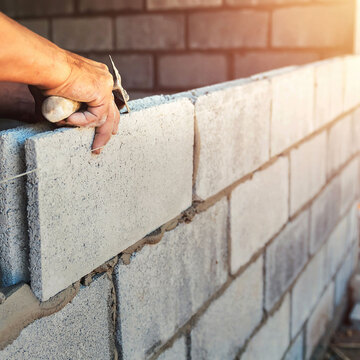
[{"x": 29, "y": 58}]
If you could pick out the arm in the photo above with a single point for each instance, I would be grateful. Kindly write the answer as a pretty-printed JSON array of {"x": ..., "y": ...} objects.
[{"x": 30, "y": 59}]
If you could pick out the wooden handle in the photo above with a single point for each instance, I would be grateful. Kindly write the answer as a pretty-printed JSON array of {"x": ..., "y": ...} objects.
[{"x": 57, "y": 108}]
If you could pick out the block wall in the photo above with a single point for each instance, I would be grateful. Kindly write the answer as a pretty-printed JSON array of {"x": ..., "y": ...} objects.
[
  {"x": 165, "y": 46},
  {"x": 220, "y": 223}
]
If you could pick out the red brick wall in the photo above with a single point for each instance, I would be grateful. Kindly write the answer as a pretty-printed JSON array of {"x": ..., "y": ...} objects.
[{"x": 163, "y": 46}]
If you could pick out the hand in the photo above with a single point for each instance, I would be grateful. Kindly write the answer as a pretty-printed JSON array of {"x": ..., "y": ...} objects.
[{"x": 89, "y": 82}]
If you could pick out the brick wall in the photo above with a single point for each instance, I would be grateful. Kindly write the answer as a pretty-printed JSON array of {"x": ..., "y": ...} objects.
[
  {"x": 164, "y": 46},
  {"x": 229, "y": 215}
]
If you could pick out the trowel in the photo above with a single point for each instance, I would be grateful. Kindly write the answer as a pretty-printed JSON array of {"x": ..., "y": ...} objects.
[{"x": 57, "y": 108}]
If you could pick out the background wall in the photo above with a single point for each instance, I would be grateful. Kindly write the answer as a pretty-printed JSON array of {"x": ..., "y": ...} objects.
[{"x": 164, "y": 46}]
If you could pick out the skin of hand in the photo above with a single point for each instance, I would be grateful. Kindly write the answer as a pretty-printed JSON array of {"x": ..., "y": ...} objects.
[{"x": 32, "y": 59}]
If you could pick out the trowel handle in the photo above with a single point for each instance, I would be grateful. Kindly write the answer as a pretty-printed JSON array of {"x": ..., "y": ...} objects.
[{"x": 57, "y": 108}]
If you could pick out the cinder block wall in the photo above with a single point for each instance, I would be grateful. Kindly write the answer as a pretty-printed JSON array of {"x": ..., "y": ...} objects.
[
  {"x": 165, "y": 46},
  {"x": 248, "y": 192}
]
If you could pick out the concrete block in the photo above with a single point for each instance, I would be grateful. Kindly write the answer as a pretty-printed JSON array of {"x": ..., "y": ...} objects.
[
  {"x": 325, "y": 212},
  {"x": 285, "y": 257},
  {"x": 250, "y": 63},
  {"x": 229, "y": 29},
  {"x": 83, "y": 34},
  {"x": 231, "y": 120},
  {"x": 355, "y": 316},
  {"x": 299, "y": 27},
  {"x": 292, "y": 114},
  {"x": 180, "y": 4},
  {"x": 165, "y": 284},
  {"x": 105, "y": 5},
  {"x": 259, "y": 208},
  {"x": 85, "y": 209},
  {"x": 14, "y": 242},
  {"x": 349, "y": 182},
  {"x": 273, "y": 338},
  {"x": 306, "y": 291},
  {"x": 340, "y": 145},
  {"x": 230, "y": 319},
  {"x": 343, "y": 276},
  {"x": 307, "y": 171},
  {"x": 176, "y": 352},
  {"x": 81, "y": 330},
  {"x": 296, "y": 351},
  {"x": 187, "y": 71},
  {"x": 140, "y": 32},
  {"x": 356, "y": 130},
  {"x": 329, "y": 90},
  {"x": 352, "y": 82},
  {"x": 319, "y": 319}
]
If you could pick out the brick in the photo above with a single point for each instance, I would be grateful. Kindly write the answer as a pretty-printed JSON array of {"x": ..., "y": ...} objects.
[
  {"x": 14, "y": 242},
  {"x": 251, "y": 63},
  {"x": 306, "y": 291},
  {"x": 296, "y": 351},
  {"x": 137, "y": 71},
  {"x": 81, "y": 330},
  {"x": 19, "y": 8},
  {"x": 176, "y": 352},
  {"x": 38, "y": 26},
  {"x": 307, "y": 171},
  {"x": 349, "y": 182},
  {"x": 191, "y": 261},
  {"x": 319, "y": 319},
  {"x": 230, "y": 319},
  {"x": 325, "y": 212},
  {"x": 191, "y": 70},
  {"x": 252, "y": 224},
  {"x": 343, "y": 276},
  {"x": 292, "y": 114},
  {"x": 356, "y": 130},
  {"x": 285, "y": 257},
  {"x": 105, "y": 5},
  {"x": 153, "y": 153},
  {"x": 352, "y": 82},
  {"x": 229, "y": 29},
  {"x": 151, "y": 32},
  {"x": 83, "y": 34},
  {"x": 329, "y": 90},
  {"x": 273, "y": 338},
  {"x": 312, "y": 26},
  {"x": 231, "y": 120},
  {"x": 339, "y": 144},
  {"x": 180, "y": 4}
]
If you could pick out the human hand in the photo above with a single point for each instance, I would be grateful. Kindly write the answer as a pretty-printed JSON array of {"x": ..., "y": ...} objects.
[{"x": 91, "y": 83}]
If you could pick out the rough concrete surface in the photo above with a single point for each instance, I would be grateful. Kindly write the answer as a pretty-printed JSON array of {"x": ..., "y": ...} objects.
[
  {"x": 233, "y": 130},
  {"x": 230, "y": 319},
  {"x": 84, "y": 209},
  {"x": 273, "y": 338},
  {"x": 14, "y": 242},
  {"x": 176, "y": 352},
  {"x": 166, "y": 283},
  {"x": 285, "y": 257},
  {"x": 352, "y": 82},
  {"x": 259, "y": 208},
  {"x": 296, "y": 350},
  {"x": 349, "y": 182},
  {"x": 81, "y": 330}
]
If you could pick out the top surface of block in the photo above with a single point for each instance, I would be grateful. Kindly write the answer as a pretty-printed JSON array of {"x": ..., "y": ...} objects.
[{"x": 84, "y": 209}]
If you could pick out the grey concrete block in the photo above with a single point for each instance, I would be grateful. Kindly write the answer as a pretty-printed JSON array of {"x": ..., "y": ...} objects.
[
  {"x": 165, "y": 284},
  {"x": 84, "y": 209},
  {"x": 14, "y": 243},
  {"x": 230, "y": 319},
  {"x": 355, "y": 315},
  {"x": 176, "y": 352},
  {"x": 352, "y": 82},
  {"x": 296, "y": 351},
  {"x": 349, "y": 182},
  {"x": 325, "y": 212},
  {"x": 259, "y": 208},
  {"x": 273, "y": 338},
  {"x": 81, "y": 330},
  {"x": 285, "y": 257},
  {"x": 231, "y": 121}
]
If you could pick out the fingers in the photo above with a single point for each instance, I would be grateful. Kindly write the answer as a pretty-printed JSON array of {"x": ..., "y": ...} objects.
[
  {"x": 103, "y": 133},
  {"x": 91, "y": 117}
]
